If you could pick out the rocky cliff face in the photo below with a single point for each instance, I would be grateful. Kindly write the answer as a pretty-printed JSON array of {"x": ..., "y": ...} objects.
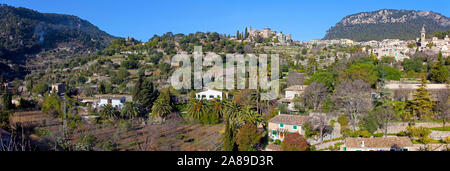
[{"x": 387, "y": 23}]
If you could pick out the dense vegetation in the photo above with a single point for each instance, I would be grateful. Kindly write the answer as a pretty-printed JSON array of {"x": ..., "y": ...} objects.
[{"x": 25, "y": 32}]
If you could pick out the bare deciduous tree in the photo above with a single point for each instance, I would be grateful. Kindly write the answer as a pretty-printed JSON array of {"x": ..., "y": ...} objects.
[
  {"x": 320, "y": 122},
  {"x": 401, "y": 94},
  {"x": 443, "y": 105},
  {"x": 314, "y": 94},
  {"x": 384, "y": 115},
  {"x": 354, "y": 98}
]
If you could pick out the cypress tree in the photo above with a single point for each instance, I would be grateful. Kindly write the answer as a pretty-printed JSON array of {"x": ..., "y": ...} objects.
[
  {"x": 246, "y": 33},
  {"x": 147, "y": 95},
  {"x": 7, "y": 100},
  {"x": 228, "y": 142},
  {"x": 137, "y": 89}
]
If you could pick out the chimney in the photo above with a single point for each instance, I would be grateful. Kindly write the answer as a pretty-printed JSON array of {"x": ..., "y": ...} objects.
[{"x": 362, "y": 143}]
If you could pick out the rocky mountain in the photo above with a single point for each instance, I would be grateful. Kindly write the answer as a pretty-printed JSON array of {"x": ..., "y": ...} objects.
[
  {"x": 387, "y": 23},
  {"x": 27, "y": 35}
]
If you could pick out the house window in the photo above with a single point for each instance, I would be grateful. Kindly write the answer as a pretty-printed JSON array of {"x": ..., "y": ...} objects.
[
  {"x": 281, "y": 125},
  {"x": 295, "y": 95},
  {"x": 211, "y": 97},
  {"x": 294, "y": 127}
]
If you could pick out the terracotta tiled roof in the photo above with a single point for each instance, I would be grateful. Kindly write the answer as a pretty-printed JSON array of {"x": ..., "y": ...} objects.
[
  {"x": 290, "y": 119},
  {"x": 378, "y": 142},
  {"x": 116, "y": 97},
  {"x": 286, "y": 100},
  {"x": 273, "y": 147},
  {"x": 296, "y": 88}
]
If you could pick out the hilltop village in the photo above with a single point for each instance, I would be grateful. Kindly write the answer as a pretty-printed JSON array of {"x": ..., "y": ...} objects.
[{"x": 335, "y": 95}]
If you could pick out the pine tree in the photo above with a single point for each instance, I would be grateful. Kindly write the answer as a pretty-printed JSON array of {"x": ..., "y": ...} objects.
[
  {"x": 439, "y": 72},
  {"x": 422, "y": 105}
]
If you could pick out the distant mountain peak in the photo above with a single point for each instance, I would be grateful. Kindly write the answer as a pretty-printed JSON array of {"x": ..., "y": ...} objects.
[
  {"x": 387, "y": 23},
  {"x": 393, "y": 16}
]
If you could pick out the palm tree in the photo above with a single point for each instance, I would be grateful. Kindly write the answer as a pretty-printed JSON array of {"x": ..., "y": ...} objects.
[
  {"x": 161, "y": 107},
  {"x": 233, "y": 113},
  {"x": 109, "y": 112},
  {"x": 250, "y": 116},
  {"x": 217, "y": 107},
  {"x": 196, "y": 109},
  {"x": 130, "y": 110}
]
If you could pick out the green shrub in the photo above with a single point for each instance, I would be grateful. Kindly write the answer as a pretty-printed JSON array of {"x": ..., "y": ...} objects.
[
  {"x": 41, "y": 132},
  {"x": 402, "y": 134},
  {"x": 378, "y": 135},
  {"x": 445, "y": 128},
  {"x": 277, "y": 142},
  {"x": 365, "y": 134}
]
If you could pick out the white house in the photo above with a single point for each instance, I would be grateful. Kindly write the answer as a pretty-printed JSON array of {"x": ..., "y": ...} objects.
[
  {"x": 378, "y": 144},
  {"x": 209, "y": 94},
  {"x": 294, "y": 91},
  {"x": 283, "y": 124},
  {"x": 112, "y": 100},
  {"x": 291, "y": 93}
]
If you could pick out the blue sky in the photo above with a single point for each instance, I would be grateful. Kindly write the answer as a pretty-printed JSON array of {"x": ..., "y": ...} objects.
[{"x": 141, "y": 19}]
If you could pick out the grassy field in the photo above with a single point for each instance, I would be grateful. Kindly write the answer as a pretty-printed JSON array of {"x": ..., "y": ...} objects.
[
  {"x": 130, "y": 135},
  {"x": 445, "y": 128}
]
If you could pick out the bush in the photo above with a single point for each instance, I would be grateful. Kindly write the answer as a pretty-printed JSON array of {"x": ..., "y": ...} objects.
[
  {"x": 277, "y": 142},
  {"x": 421, "y": 133},
  {"x": 402, "y": 134},
  {"x": 294, "y": 142},
  {"x": 4, "y": 119},
  {"x": 41, "y": 132},
  {"x": 52, "y": 105},
  {"x": 378, "y": 135},
  {"x": 365, "y": 134},
  {"x": 343, "y": 121},
  {"x": 447, "y": 140},
  {"x": 247, "y": 137}
]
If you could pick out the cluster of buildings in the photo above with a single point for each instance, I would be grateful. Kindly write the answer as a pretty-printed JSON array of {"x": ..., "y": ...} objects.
[
  {"x": 399, "y": 49},
  {"x": 266, "y": 33},
  {"x": 283, "y": 124}
]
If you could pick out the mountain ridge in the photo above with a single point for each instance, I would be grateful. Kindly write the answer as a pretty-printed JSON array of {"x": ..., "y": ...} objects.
[
  {"x": 25, "y": 34},
  {"x": 387, "y": 23}
]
